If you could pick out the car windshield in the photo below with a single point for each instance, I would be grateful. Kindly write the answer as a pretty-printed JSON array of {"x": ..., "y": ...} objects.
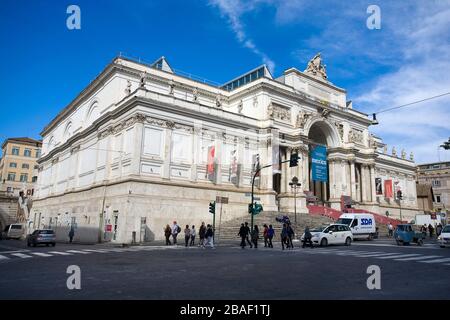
[
  {"x": 16, "y": 226},
  {"x": 318, "y": 229},
  {"x": 446, "y": 229},
  {"x": 401, "y": 227},
  {"x": 46, "y": 232},
  {"x": 345, "y": 221}
]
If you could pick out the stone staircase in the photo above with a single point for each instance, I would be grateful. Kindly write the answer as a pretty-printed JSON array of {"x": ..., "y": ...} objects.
[
  {"x": 8, "y": 210},
  {"x": 228, "y": 230}
]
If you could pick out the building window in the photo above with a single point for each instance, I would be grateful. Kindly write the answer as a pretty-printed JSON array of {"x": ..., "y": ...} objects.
[
  {"x": 11, "y": 176},
  {"x": 15, "y": 151},
  {"x": 13, "y": 165},
  {"x": 27, "y": 153},
  {"x": 38, "y": 153},
  {"x": 23, "y": 177},
  {"x": 25, "y": 166},
  {"x": 438, "y": 198},
  {"x": 436, "y": 183},
  {"x": 34, "y": 179}
]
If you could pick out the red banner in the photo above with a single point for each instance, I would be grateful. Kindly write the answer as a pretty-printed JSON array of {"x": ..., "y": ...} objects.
[
  {"x": 388, "y": 189},
  {"x": 210, "y": 166}
]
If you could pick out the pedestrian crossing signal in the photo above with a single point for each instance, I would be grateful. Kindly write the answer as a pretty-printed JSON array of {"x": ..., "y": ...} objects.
[
  {"x": 293, "y": 161},
  {"x": 212, "y": 207}
]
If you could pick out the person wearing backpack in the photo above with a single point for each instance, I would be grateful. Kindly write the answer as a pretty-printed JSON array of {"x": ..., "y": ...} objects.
[
  {"x": 270, "y": 235},
  {"x": 266, "y": 235},
  {"x": 201, "y": 234},
  {"x": 175, "y": 231}
]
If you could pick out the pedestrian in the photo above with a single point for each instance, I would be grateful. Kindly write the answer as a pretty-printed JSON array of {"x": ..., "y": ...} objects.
[
  {"x": 193, "y": 234},
  {"x": 248, "y": 234},
  {"x": 243, "y": 234},
  {"x": 71, "y": 234},
  {"x": 423, "y": 229},
  {"x": 175, "y": 231},
  {"x": 209, "y": 236},
  {"x": 430, "y": 229},
  {"x": 201, "y": 234},
  {"x": 187, "y": 235},
  {"x": 284, "y": 236},
  {"x": 291, "y": 235},
  {"x": 255, "y": 236},
  {"x": 307, "y": 238},
  {"x": 270, "y": 235},
  {"x": 266, "y": 235},
  {"x": 167, "y": 234},
  {"x": 438, "y": 229},
  {"x": 390, "y": 230}
]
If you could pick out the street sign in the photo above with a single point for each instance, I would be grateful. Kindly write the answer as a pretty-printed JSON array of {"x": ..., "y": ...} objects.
[{"x": 223, "y": 200}]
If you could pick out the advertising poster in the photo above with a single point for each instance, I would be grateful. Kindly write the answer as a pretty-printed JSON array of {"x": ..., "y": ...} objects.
[
  {"x": 319, "y": 163},
  {"x": 388, "y": 192}
]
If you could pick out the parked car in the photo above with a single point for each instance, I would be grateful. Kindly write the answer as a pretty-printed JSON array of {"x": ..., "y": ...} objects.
[
  {"x": 444, "y": 237},
  {"x": 46, "y": 236},
  {"x": 13, "y": 231},
  {"x": 332, "y": 234}
]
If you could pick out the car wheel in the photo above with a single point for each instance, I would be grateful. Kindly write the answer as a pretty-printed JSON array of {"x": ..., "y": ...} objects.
[
  {"x": 324, "y": 242},
  {"x": 398, "y": 242},
  {"x": 348, "y": 241},
  {"x": 420, "y": 242},
  {"x": 370, "y": 237},
  {"x": 34, "y": 244},
  {"x": 53, "y": 244},
  {"x": 28, "y": 244},
  {"x": 442, "y": 246}
]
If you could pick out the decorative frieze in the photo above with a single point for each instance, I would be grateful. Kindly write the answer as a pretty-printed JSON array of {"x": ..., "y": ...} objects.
[
  {"x": 356, "y": 136},
  {"x": 302, "y": 118},
  {"x": 279, "y": 112}
]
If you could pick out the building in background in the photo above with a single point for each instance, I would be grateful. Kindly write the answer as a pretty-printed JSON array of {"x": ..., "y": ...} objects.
[
  {"x": 438, "y": 176},
  {"x": 18, "y": 166},
  {"x": 143, "y": 145}
]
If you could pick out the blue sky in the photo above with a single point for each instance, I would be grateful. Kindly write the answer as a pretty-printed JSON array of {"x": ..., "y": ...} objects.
[{"x": 45, "y": 65}]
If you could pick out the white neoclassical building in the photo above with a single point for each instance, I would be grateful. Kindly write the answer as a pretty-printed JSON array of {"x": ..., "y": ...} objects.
[{"x": 143, "y": 146}]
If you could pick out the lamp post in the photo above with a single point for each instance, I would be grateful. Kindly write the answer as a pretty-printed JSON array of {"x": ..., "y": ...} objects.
[{"x": 294, "y": 184}]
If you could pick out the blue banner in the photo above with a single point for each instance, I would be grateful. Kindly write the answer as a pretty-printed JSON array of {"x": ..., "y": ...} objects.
[{"x": 319, "y": 163}]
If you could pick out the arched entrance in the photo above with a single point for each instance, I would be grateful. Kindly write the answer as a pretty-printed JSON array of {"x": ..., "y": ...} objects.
[{"x": 320, "y": 134}]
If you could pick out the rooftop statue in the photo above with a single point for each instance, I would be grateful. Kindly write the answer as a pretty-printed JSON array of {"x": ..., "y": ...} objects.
[{"x": 316, "y": 68}]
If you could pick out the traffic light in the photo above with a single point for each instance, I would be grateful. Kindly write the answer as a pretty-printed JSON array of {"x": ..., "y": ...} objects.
[
  {"x": 212, "y": 207},
  {"x": 293, "y": 161},
  {"x": 258, "y": 208},
  {"x": 250, "y": 208},
  {"x": 399, "y": 194}
]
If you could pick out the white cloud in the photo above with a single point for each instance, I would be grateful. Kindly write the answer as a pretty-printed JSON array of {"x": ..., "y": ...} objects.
[{"x": 233, "y": 10}]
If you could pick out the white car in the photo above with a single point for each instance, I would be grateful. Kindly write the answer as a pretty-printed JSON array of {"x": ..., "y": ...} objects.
[
  {"x": 444, "y": 237},
  {"x": 332, "y": 234}
]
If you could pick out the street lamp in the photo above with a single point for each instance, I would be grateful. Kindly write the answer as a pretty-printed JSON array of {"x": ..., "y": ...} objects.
[{"x": 294, "y": 184}]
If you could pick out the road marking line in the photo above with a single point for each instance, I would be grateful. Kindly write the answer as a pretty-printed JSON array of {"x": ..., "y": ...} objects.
[
  {"x": 418, "y": 258},
  {"x": 377, "y": 255},
  {"x": 21, "y": 255},
  {"x": 4, "y": 258},
  {"x": 400, "y": 256},
  {"x": 60, "y": 253},
  {"x": 436, "y": 260},
  {"x": 41, "y": 254},
  {"x": 96, "y": 250},
  {"x": 78, "y": 251}
]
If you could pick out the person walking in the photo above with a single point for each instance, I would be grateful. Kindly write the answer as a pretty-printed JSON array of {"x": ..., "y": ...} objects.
[
  {"x": 284, "y": 236},
  {"x": 291, "y": 235},
  {"x": 270, "y": 235},
  {"x": 209, "y": 236},
  {"x": 390, "y": 230},
  {"x": 266, "y": 235},
  {"x": 193, "y": 234},
  {"x": 243, "y": 234},
  {"x": 175, "y": 230},
  {"x": 167, "y": 234},
  {"x": 430, "y": 229},
  {"x": 423, "y": 229},
  {"x": 248, "y": 234},
  {"x": 438, "y": 229},
  {"x": 71, "y": 234},
  {"x": 255, "y": 236},
  {"x": 307, "y": 238},
  {"x": 201, "y": 234},
  {"x": 187, "y": 235}
]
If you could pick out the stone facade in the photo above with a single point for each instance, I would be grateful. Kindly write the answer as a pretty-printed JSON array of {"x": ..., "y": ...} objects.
[{"x": 130, "y": 154}]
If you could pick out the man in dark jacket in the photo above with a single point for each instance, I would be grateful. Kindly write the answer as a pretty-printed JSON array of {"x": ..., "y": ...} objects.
[
  {"x": 243, "y": 234},
  {"x": 248, "y": 234},
  {"x": 290, "y": 236},
  {"x": 307, "y": 238}
]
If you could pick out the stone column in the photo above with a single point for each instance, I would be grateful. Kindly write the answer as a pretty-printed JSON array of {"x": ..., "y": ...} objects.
[
  {"x": 219, "y": 142},
  {"x": 363, "y": 183},
  {"x": 288, "y": 170},
  {"x": 268, "y": 172},
  {"x": 332, "y": 182},
  {"x": 305, "y": 162},
  {"x": 283, "y": 171},
  {"x": 137, "y": 147},
  {"x": 352, "y": 179},
  {"x": 372, "y": 183},
  {"x": 167, "y": 153},
  {"x": 196, "y": 154}
]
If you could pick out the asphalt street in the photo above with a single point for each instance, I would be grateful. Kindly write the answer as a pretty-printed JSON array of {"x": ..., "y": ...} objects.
[{"x": 227, "y": 272}]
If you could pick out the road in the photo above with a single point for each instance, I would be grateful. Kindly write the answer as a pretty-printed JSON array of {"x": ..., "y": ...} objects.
[{"x": 227, "y": 272}]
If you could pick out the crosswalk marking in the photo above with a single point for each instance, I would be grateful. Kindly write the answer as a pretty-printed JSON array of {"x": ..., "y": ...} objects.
[
  {"x": 61, "y": 253},
  {"x": 400, "y": 256},
  {"x": 436, "y": 260},
  {"x": 377, "y": 255},
  {"x": 41, "y": 254},
  {"x": 78, "y": 251},
  {"x": 21, "y": 255},
  {"x": 97, "y": 250},
  {"x": 3, "y": 258},
  {"x": 418, "y": 258}
]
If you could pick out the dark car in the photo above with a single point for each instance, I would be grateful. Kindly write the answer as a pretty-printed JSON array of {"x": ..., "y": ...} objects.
[{"x": 46, "y": 237}]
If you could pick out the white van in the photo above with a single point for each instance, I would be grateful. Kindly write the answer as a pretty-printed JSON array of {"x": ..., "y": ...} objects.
[
  {"x": 363, "y": 225},
  {"x": 13, "y": 231}
]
